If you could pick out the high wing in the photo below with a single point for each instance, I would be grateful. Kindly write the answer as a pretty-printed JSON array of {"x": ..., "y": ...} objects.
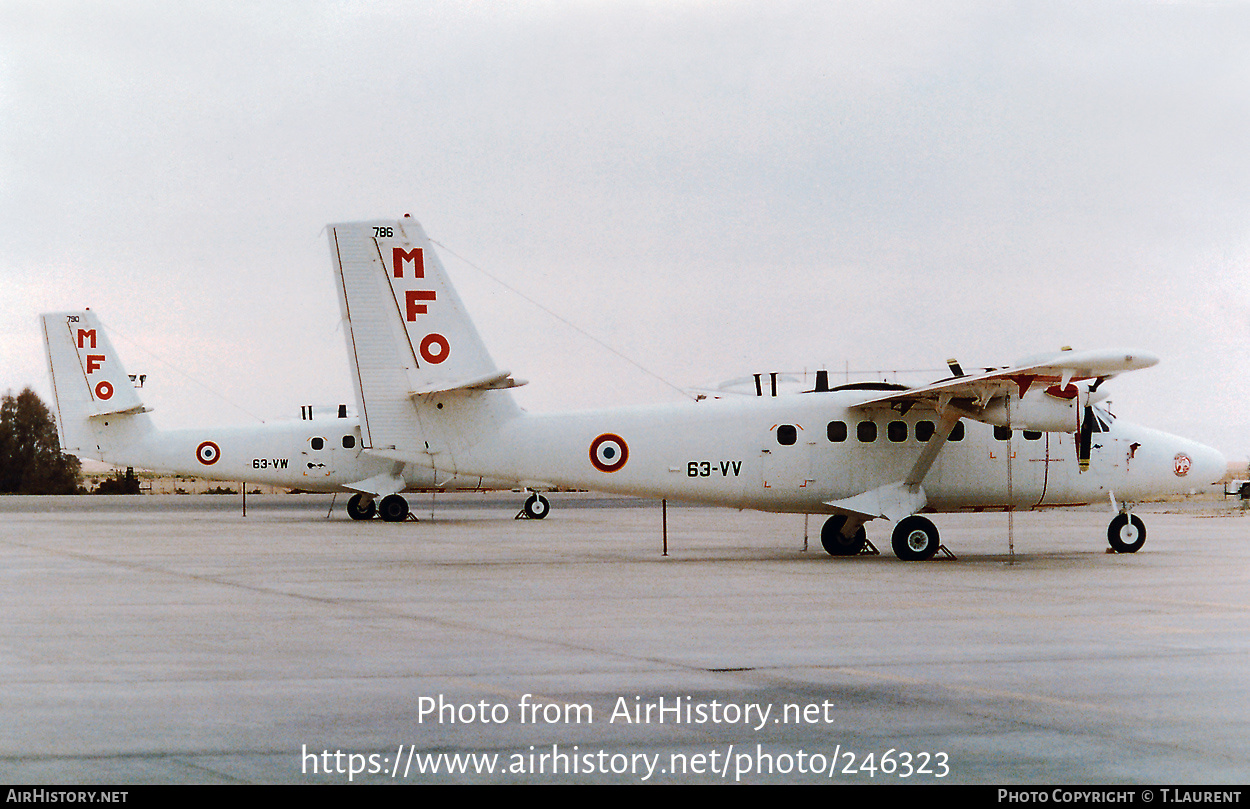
[
  {"x": 1038, "y": 393},
  {"x": 1039, "y": 389}
]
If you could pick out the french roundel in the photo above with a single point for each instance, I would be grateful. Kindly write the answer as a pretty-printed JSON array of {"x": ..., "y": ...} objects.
[
  {"x": 608, "y": 452},
  {"x": 208, "y": 453}
]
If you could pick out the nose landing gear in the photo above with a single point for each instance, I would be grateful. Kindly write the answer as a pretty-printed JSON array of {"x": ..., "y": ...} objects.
[{"x": 1126, "y": 533}]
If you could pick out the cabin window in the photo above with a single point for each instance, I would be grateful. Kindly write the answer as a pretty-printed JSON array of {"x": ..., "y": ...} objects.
[
  {"x": 1032, "y": 435},
  {"x": 318, "y": 443},
  {"x": 787, "y": 434},
  {"x": 837, "y": 431},
  {"x": 349, "y": 441},
  {"x": 924, "y": 430},
  {"x": 957, "y": 434},
  {"x": 866, "y": 431},
  {"x": 1002, "y": 433},
  {"x": 896, "y": 431}
]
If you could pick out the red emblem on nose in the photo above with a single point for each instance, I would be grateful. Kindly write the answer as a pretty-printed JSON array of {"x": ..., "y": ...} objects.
[{"x": 1181, "y": 464}]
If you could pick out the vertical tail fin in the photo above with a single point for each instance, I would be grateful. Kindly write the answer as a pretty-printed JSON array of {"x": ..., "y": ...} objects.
[
  {"x": 89, "y": 383},
  {"x": 408, "y": 335}
]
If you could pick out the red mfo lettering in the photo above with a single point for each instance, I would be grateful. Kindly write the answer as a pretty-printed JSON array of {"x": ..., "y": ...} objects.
[
  {"x": 104, "y": 390},
  {"x": 434, "y": 348},
  {"x": 412, "y": 296},
  {"x": 416, "y": 255},
  {"x": 94, "y": 361},
  {"x": 84, "y": 335}
]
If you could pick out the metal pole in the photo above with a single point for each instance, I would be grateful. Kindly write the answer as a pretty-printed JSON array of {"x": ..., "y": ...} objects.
[
  {"x": 1011, "y": 506},
  {"x": 664, "y": 512}
]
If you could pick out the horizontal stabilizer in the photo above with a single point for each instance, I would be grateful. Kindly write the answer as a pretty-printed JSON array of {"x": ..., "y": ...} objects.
[
  {"x": 129, "y": 411},
  {"x": 893, "y": 501},
  {"x": 495, "y": 381}
]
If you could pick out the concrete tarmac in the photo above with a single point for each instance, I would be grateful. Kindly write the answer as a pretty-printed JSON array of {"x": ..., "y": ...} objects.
[{"x": 172, "y": 640}]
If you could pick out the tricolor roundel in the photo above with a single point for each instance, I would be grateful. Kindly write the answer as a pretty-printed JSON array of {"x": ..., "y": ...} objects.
[
  {"x": 608, "y": 452},
  {"x": 208, "y": 453}
]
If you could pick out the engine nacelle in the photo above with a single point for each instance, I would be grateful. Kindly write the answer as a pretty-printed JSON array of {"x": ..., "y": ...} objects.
[{"x": 1047, "y": 410}]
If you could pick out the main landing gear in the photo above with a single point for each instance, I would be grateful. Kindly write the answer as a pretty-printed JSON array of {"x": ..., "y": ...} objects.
[
  {"x": 1126, "y": 533},
  {"x": 837, "y": 543},
  {"x": 915, "y": 538},
  {"x": 360, "y": 509},
  {"x": 393, "y": 508}
]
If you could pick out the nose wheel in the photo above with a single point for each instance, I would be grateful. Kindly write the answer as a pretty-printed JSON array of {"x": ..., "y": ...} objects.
[
  {"x": 536, "y": 507},
  {"x": 1126, "y": 534}
]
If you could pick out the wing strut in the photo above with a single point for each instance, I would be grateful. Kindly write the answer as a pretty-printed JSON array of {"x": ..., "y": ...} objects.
[
  {"x": 900, "y": 499},
  {"x": 949, "y": 418}
]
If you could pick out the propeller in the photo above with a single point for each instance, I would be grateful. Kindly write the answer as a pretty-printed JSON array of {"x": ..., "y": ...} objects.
[{"x": 1084, "y": 437}]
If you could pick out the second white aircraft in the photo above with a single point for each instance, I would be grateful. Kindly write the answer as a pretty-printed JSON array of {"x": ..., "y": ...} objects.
[{"x": 1028, "y": 436}]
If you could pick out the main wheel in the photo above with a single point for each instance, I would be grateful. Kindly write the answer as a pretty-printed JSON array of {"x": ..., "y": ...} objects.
[
  {"x": 915, "y": 539},
  {"x": 1126, "y": 534},
  {"x": 537, "y": 507},
  {"x": 358, "y": 512},
  {"x": 393, "y": 508},
  {"x": 836, "y": 543}
]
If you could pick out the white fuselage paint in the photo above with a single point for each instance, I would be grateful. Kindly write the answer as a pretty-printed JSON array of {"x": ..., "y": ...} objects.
[
  {"x": 725, "y": 452},
  {"x": 280, "y": 453}
]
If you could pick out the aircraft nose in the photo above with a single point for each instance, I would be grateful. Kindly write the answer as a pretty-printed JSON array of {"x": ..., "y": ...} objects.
[{"x": 1210, "y": 466}]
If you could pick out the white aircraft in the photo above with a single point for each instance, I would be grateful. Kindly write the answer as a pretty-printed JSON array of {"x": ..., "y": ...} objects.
[
  {"x": 99, "y": 415},
  {"x": 1028, "y": 436}
]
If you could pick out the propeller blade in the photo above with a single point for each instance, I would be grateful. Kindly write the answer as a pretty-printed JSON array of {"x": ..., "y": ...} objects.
[{"x": 1084, "y": 439}]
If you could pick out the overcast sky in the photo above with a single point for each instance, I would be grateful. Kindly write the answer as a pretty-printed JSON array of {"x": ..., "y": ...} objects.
[{"x": 713, "y": 188}]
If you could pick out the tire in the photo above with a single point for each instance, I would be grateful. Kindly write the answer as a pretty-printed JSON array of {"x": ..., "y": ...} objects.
[
  {"x": 836, "y": 543},
  {"x": 393, "y": 508},
  {"x": 915, "y": 539},
  {"x": 1126, "y": 534},
  {"x": 537, "y": 507},
  {"x": 357, "y": 512}
]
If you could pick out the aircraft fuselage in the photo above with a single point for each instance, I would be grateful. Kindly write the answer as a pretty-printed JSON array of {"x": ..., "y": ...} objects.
[{"x": 799, "y": 453}]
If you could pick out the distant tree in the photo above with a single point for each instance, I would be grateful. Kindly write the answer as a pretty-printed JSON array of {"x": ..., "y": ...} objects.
[{"x": 31, "y": 461}]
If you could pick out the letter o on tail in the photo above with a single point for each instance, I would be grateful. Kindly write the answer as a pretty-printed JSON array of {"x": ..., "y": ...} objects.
[
  {"x": 104, "y": 390},
  {"x": 434, "y": 348},
  {"x": 608, "y": 452},
  {"x": 208, "y": 453}
]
